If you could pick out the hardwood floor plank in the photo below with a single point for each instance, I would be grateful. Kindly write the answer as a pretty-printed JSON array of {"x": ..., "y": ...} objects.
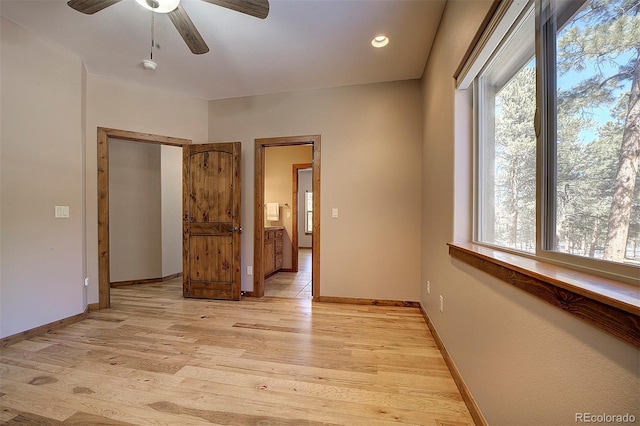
[
  {"x": 23, "y": 418},
  {"x": 225, "y": 417},
  {"x": 331, "y": 392},
  {"x": 156, "y": 358},
  {"x": 366, "y": 414},
  {"x": 83, "y": 419},
  {"x": 30, "y": 400},
  {"x": 62, "y": 406}
]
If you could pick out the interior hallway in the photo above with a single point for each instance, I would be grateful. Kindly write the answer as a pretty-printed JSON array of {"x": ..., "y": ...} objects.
[{"x": 292, "y": 285}]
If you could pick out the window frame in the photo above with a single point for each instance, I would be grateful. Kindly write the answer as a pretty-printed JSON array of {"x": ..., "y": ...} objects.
[{"x": 508, "y": 15}]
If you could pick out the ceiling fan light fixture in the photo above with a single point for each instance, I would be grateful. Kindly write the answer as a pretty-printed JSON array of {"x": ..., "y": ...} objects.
[
  {"x": 159, "y": 6},
  {"x": 380, "y": 41}
]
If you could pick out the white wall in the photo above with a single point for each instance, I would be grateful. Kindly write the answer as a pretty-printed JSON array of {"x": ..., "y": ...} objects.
[
  {"x": 135, "y": 219},
  {"x": 525, "y": 362},
  {"x": 371, "y": 151},
  {"x": 145, "y": 210},
  {"x": 41, "y": 166},
  {"x": 123, "y": 106},
  {"x": 171, "y": 210}
]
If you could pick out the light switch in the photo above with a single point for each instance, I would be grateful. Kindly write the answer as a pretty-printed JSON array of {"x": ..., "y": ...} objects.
[
  {"x": 334, "y": 213},
  {"x": 62, "y": 212}
]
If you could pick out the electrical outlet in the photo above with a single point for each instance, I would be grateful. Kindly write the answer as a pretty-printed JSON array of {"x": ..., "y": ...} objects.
[
  {"x": 249, "y": 270},
  {"x": 441, "y": 304},
  {"x": 428, "y": 287}
]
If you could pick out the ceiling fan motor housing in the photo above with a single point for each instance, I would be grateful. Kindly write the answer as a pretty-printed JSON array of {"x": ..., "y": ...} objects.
[{"x": 178, "y": 15}]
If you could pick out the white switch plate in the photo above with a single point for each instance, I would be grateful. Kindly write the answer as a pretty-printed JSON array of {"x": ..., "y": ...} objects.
[
  {"x": 288, "y": 215},
  {"x": 428, "y": 287},
  {"x": 441, "y": 304},
  {"x": 62, "y": 212},
  {"x": 249, "y": 270},
  {"x": 334, "y": 213},
  {"x": 86, "y": 282}
]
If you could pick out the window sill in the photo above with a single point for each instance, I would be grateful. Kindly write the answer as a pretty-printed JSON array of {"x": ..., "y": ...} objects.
[{"x": 610, "y": 305}]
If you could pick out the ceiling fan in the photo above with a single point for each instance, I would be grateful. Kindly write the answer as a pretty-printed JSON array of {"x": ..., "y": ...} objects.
[{"x": 179, "y": 17}]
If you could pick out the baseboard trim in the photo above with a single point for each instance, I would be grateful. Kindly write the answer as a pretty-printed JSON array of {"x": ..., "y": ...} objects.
[
  {"x": 473, "y": 408},
  {"x": 145, "y": 281},
  {"x": 43, "y": 329},
  {"x": 359, "y": 301},
  {"x": 93, "y": 307}
]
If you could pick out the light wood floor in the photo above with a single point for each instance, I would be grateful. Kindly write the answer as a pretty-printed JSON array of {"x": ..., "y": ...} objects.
[
  {"x": 156, "y": 358},
  {"x": 293, "y": 285}
]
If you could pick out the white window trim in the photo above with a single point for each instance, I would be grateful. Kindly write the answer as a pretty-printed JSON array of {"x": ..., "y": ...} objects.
[
  {"x": 501, "y": 22},
  {"x": 507, "y": 13}
]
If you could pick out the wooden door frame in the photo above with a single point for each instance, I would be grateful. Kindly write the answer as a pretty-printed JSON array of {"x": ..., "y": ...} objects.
[
  {"x": 294, "y": 212},
  {"x": 104, "y": 260},
  {"x": 258, "y": 241}
]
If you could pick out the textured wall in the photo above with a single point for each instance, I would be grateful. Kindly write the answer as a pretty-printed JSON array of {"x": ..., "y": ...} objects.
[
  {"x": 525, "y": 362},
  {"x": 135, "y": 211},
  {"x": 371, "y": 150},
  {"x": 171, "y": 210},
  {"x": 41, "y": 166}
]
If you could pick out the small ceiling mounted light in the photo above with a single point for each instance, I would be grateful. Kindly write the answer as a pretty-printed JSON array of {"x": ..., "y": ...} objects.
[
  {"x": 380, "y": 41},
  {"x": 159, "y": 6},
  {"x": 148, "y": 64}
]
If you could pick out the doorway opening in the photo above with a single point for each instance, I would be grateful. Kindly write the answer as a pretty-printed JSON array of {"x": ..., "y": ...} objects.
[
  {"x": 104, "y": 258},
  {"x": 275, "y": 219}
]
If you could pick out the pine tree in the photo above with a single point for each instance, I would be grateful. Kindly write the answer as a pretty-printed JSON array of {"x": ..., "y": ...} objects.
[
  {"x": 609, "y": 28},
  {"x": 515, "y": 151}
]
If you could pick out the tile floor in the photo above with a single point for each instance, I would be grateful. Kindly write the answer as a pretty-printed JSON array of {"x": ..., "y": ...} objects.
[{"x": 292, "y": 285}]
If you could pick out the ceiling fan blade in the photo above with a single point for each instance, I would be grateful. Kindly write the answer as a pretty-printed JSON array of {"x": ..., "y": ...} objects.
[
  {"x": 257, "y": 8},
  {"x": 188, "y": 31},
  {"x": 90, "y": 6}
]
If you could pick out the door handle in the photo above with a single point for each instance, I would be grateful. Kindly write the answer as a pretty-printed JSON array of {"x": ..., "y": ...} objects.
[{"x": 236, "y": 229}]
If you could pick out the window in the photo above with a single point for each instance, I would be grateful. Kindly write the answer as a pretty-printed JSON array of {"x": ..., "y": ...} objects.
[
  {"x": 308, "y": 209},
  {"x": 557, "y": 103},
  {"x": 506, "y": 99},
  {"x": 597, "y": 195}
]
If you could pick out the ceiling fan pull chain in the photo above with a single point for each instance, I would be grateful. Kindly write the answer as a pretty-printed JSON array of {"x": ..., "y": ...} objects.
[
  {"x": 153, "y": 20},
  {"x": 148, "y": 64}
]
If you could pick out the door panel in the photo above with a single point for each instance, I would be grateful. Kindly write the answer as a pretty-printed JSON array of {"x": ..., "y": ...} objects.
[
  {"x": 211, "y": 258},
  {"x": 211, "y": 221}
]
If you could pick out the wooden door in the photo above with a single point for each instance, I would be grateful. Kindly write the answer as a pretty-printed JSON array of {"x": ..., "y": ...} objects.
[{"x": 211, "y": 221}]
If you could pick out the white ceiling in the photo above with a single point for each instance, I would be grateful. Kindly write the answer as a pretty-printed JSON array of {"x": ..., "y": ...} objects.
[{"x": 302, "y": 44}]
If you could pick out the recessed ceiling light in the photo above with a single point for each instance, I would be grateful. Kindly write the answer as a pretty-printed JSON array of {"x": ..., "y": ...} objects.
[{"x": 380, "y": 41}]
